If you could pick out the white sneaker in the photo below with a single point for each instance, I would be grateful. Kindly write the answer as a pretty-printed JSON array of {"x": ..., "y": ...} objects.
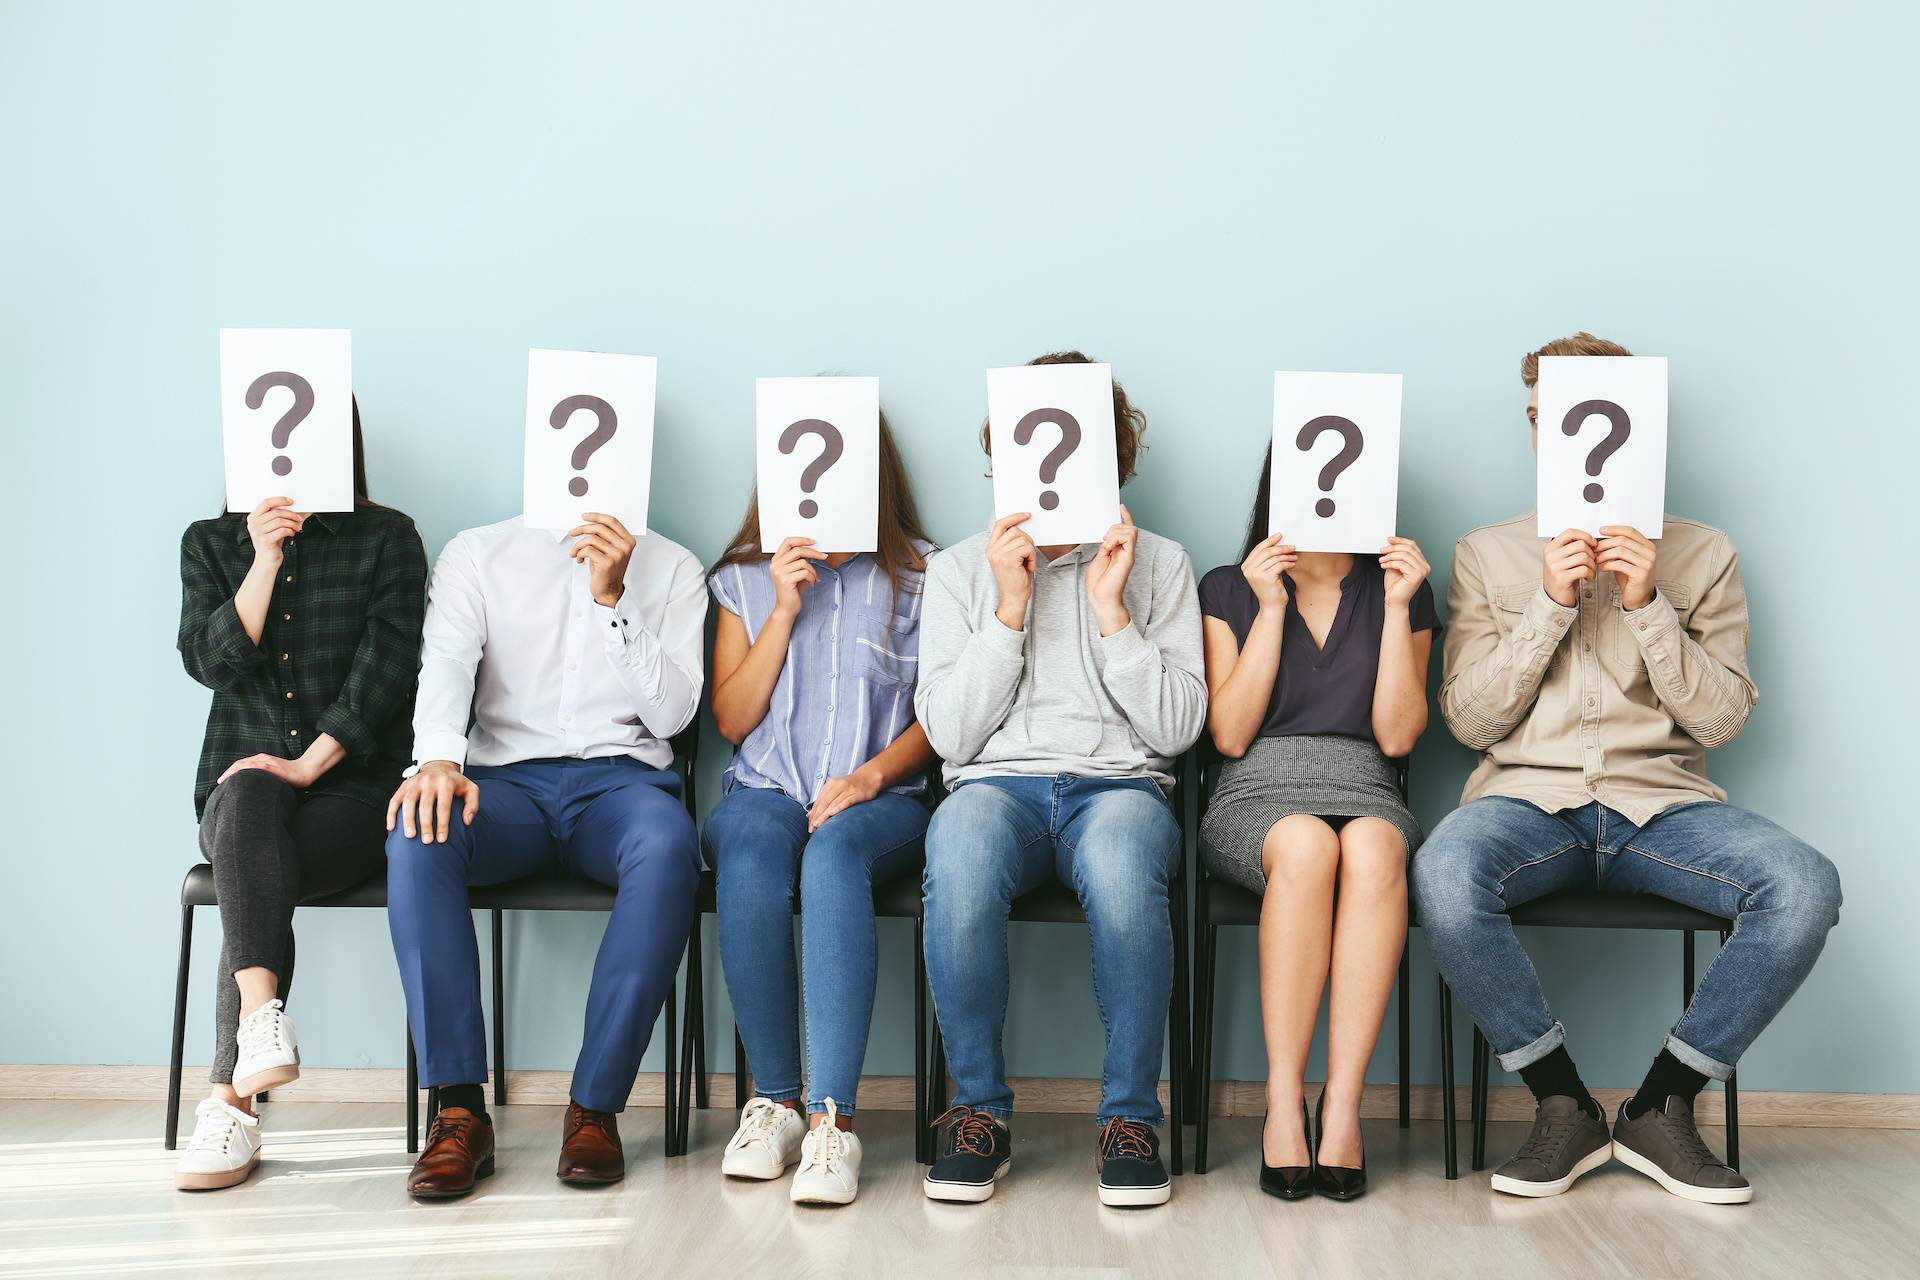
[
  {"x": 269, "y": 1053},
  {"x": 767, "y": 1141},
  {"x": 829, "y": 1170},
  {"x": 224, "y": 1150}
]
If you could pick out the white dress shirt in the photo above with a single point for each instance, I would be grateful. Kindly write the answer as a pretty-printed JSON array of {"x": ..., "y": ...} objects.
[{"x": 516, "y": 647}]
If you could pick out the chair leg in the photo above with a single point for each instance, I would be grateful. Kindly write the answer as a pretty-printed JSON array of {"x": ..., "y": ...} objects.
[
  {"x": 433, "y": 1102},
  {"x": 681, "y": 1099},
  {"x": 669, "y": 1110},
  {"x": 1686, "y": 969},
  {"x": 1449, "y": 1136},
  {"x": 1406, "y": 1036},
  {"x": 1482, "y": 1053},
  {"x": 1207, "y": 965},
  {"x": 1180, "y": 1031},
  {"x": 739, "y": 1070},
  {"x": 176, "y": 1064},
  {"x": 697, "y": 1015},
  {"x": 1732, "y": 1089},
  {"x": 499, "y": 1008},
  {"x": 921, "y": 1137},
  {"x": 413, "y": 1096},
  {"x": 942, "y": 1093}
]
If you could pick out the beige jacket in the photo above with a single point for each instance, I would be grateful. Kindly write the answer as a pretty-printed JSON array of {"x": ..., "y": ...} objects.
[{"x": 1593, "y": 702}]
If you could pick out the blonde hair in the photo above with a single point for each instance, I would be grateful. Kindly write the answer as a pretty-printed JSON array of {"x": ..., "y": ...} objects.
[{"x": 1580, "y": 344}]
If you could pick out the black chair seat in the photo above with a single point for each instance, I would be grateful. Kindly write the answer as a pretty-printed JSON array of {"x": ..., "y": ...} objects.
[
  {"x": 1049, "y": 904},
  {"x": 1598, "y": 909},
  {"x": 197, "y": 890},
  {"x": 533, "y": 893}
]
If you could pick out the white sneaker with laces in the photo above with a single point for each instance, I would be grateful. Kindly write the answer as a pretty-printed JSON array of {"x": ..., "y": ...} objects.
[
  {"x": 224, "y": 1150},
  {"x": 829, "y": 1170},
  {"x": 269, "y": 1051},
  {"x": 767, "y": 1141}
]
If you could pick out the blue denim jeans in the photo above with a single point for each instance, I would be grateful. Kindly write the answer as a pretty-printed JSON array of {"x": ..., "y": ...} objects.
[
  {"x": 757, "y": 844},
  {"x": 1499, "y": 852},
  {"x": 1117, "y": 843},
  {"x": 612, "y": 820}
]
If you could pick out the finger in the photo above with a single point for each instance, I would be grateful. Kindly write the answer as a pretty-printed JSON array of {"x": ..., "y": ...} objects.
[
  {"x": 1008, "y": 522},
  {"x": 472, "y": 810},
  {"x": 612, "y": 522},
  {"x": 595, "y": 546},
  {"x": 393, "y": 806},
  {"x": 408, "y": 803},
  {"x": 268, "y": 504},
  {"x": 1126, "y": 517},
  {"x": 442, "y": 810}
]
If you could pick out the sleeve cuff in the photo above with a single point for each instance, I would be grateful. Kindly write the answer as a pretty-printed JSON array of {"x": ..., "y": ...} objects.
[
  {"x": 1125, "y": 648},
  {"x": 1548, "y": 616},
  {"x": 1652, "y": 619},
  {"x": 229, "y": 634},
  {"x": 1001, "y": 642},
  {"x": 438, "y": 746},
  {"x": 620, "y": 623},
  {"x": 347, "y": 729}
]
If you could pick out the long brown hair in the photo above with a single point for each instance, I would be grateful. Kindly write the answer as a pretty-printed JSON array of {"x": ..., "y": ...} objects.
[
  {"x": 1129, "y": 423},
  {"x": 900, "y": 530}
]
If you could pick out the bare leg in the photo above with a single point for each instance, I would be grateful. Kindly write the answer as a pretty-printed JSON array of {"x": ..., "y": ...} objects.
[
  {"x": 225, "y": 1093},
  {"x": 257, "y": 986},
  {"x": 1369, "y": 929},
  {"x": 1301, "y": 855}
]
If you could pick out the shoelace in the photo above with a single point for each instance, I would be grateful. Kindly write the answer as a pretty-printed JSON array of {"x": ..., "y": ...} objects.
[
  {"x": 1547, "y": 1138},
  {"x": 448, "y": 1127},
  {"x": 973, "y": 1131},
  {"x": 214, "y": 1131},
  {"x": 580, "y": 1118},
  {"x": 828, "y": 1145},
  {"x": 757, "y": 1123},
  {"x": 262, "y": 1030},
  {"x": 1127, "y": 1139},
  {"x": 1686, "y": 1139}
]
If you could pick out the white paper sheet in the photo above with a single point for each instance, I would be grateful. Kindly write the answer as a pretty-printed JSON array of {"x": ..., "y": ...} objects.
[
  {"x": 589, "y": 437},
  {"x": 818, "y": 461},
  {"x": 286, "y": 417},
  {"x": 1602, "y": 443},
  {"x": 1052, "y": 434},
  {"x": 1336, "y": 460}
]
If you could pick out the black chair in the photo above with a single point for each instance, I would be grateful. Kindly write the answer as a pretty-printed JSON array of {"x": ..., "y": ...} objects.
[
  {"x": 1220, "y": 903},
  {"x": 896, "y": 899},
  {"x": 1058, "y": 904},
  {"x": 534, "y": 893},
  {"x": 1594, "y": 909}
]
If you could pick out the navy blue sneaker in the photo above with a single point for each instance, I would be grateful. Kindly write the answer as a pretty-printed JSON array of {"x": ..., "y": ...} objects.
[
  {"x": 1131, "y": 1172},
  {"x": 971, "y": 1153}
]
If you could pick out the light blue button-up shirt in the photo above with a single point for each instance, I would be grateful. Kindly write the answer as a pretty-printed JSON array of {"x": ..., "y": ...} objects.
[{"x": 845, "y": 691}]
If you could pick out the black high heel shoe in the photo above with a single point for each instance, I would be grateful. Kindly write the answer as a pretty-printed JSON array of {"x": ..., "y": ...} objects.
[
  {"x": 1288, "y": 1181},
  {"x": 1331, "y": 1180}
]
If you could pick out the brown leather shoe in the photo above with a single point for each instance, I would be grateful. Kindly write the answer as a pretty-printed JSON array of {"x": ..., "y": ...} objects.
[
  {"x": 590, "y": 1151},
  {"x": 459, "y": 1152}
]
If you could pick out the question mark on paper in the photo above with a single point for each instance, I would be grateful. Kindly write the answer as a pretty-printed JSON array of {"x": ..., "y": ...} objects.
[
  {"x": 293, "y": 417},
  {"x": 831, "y": 447},
  {"x": 1597, "y": 456},
  {"x": 1050, "y": 465},
  {"x": 1355, "y": 442},
  {"x": 603, "y": 413}
]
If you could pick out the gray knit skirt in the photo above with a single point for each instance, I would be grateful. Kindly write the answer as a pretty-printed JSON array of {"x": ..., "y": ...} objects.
[{"x": 1327, "y": 775}]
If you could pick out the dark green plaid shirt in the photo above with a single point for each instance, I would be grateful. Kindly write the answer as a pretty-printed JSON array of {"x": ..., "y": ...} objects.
[{"x": 339, "y": 654}]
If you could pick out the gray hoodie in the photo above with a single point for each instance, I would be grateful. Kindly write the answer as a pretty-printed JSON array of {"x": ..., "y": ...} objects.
[{"x": 1059, "y": 697}]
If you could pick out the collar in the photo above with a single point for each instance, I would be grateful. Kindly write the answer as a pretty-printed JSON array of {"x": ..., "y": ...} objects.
[{"x": 1079, "y": 555}]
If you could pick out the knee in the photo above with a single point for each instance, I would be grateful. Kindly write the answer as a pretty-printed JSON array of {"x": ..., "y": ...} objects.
[
  {"x": 835, "y": 862},
  {"x": 1441, "y": 878},
  {"x": 409, "y": 858},
  {"x": 244, "y": 797},
  {"x": 1807, "y": 888},
  {"x": 1373, "y": 859},
  {"x": 1300, "y": 853}
]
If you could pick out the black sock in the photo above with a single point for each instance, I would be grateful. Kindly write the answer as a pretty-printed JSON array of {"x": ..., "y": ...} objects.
[
  {"x": 1555, "y": 1075},
  {"x": 1668, "y": 1077},
  {"x": 471, "y": 1096}
]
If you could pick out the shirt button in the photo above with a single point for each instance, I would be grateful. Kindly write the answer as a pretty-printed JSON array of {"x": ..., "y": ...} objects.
[
  {"x": 573, "y": 666},
  {"x": 293, "y": 733},
  {"x": 289, "y": 695},
  {"x": 567, "y": 718},
  {"x": 288, "y": 578},
  {"x": 284, "y": 657},
  {"x": 286, "y": 617}
]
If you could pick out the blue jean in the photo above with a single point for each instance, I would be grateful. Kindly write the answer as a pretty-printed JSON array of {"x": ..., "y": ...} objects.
[
  {"x": 757, "y": 844},
  {"x": 612, "y": 820},
  {"x": 1117, "y": 843},
  {"x": 1499, "y": 852}
]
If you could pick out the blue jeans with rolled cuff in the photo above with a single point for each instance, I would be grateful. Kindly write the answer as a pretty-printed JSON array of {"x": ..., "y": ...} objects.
[
  {"x": 757, "y": 843},
  {"x": 1116, "y": 841},
  {"x": 613, "y": 820},
  {"x": 1498, "y": 852}
]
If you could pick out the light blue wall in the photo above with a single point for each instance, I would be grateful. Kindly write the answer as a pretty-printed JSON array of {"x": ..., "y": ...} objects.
[{"x": 1200, "y": 194}]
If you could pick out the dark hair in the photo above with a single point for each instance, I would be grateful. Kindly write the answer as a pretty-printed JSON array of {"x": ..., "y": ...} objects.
[
  {"x": 1257, "y": 518},
  {"x": 900, "y": 530},
  {"x": 1129, "y": 423}
]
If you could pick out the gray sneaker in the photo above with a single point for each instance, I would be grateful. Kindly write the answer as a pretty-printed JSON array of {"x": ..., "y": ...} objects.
[
  {"x": 1667, "y": 1147},
  {"x": 1567, "y": 1141}
]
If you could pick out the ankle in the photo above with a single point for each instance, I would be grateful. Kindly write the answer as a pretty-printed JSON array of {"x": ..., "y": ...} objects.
[
  {"x": 841, "y": 1121},
  {"x": 225, "y": 1093}
]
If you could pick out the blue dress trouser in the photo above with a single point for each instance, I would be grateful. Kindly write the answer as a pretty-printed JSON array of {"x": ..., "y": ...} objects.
[{"x": 613, "y": 820}]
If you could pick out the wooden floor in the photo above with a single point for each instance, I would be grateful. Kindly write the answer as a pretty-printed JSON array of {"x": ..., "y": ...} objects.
[{"x": 85, "y": 1190}]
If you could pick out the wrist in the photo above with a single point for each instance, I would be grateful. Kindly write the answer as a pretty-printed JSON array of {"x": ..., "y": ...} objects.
[
  {"x": 608, "y": 599},
  {"x": 1111, "y": 618},
  {"x": 1399, "y": 608},
  {"x": 1012, "y": 614},
  {"x": 871, "y": 776}
]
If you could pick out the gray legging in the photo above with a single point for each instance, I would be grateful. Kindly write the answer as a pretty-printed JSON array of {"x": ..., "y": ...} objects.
[{"x": 271, "y": 846}]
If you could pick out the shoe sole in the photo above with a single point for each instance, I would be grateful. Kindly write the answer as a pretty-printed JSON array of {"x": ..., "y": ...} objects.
[
  {"x": 964, "y": 1192},
  {"x": 591, "y": 1180},
  {"x": 218, "y": 1179},
  {"x": 1686, "y": 1191},
  {"x": 482, "y": 1170},
  {"x": 756, "y": 1175},
  {"x": 271, "y": 1078},
  {"x": 824, "y": 1197},
  {"x": 1135, "y": 1197},
  {"x": 1539, "y": 1190}
]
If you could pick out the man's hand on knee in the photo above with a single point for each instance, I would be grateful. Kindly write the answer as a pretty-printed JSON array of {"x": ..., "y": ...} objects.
[{"x": 425, "y": 803}]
